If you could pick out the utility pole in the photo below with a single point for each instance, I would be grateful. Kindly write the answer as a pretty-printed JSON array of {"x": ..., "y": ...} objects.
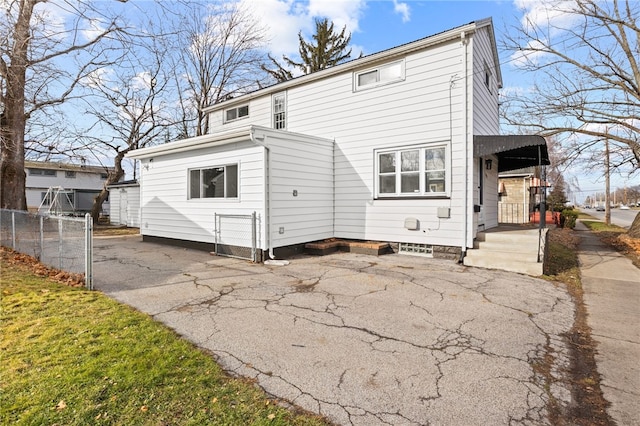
[{"x": 607, "y": 184}]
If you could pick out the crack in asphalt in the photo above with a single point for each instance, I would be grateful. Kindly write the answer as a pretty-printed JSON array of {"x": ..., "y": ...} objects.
[{"x": 329, "y": 308}]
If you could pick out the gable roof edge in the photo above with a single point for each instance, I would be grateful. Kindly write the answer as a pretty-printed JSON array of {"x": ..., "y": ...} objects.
[{"x": 403, "y": 49}]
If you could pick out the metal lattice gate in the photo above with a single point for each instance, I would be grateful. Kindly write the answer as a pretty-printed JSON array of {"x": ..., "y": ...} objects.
[{"x": 235, "y": 235}]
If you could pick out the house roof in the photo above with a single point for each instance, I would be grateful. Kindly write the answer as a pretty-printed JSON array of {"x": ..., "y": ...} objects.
[
  {"x": 244, "y": 134},
  {"x": 51, "y": 165},
  {"x": 132, "y": 182},
  {"x": 513, "y": 151},
  {"x": 369, "y": 60}
]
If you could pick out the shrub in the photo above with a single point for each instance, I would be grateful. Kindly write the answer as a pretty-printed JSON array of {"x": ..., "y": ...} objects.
[{"x": 568, "y": 218}]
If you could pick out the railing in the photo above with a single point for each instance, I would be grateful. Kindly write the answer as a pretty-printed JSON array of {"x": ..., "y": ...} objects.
[
  {"x": 65, "y": 243},
  {"x": 513, "y": 213}
]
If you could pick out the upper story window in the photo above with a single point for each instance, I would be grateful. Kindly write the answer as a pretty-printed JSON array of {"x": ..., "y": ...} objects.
[
  {"x": 236, "y": 113},
  {"x": 70, "y": 174},
  {"x": 417, "y": 171},
  {"x": 487, "y": 76},
  {"x": 280, "y": 111},
  {"x": 104, "y": 176},
  {"x": 214, "y": 182},
  {"x": 381, "y": 75},
  {"x": 42, "y": 172}
]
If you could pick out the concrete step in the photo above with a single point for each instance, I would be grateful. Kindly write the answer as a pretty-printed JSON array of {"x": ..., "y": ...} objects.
[
  {"x": 516, "y": 237},
  {"x": 509, "y": 250},
  {"x": 504, "y": 254},
  {"x": 530, "y": 246},
  {"x": 504, "y": 264}
]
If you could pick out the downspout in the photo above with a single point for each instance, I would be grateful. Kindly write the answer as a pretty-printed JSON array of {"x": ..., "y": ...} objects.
[
  {"x": 467, "y": 216},
  {"x": 261, "y": 141}
]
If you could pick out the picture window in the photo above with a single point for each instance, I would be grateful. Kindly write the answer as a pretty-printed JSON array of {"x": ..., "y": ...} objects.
[{"x": 214, "y": 182}]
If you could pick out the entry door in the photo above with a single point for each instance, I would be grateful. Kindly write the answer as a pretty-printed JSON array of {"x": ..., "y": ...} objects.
[
  {"x": 124, "y": 204},
  {"x": 481, "y": 193}
]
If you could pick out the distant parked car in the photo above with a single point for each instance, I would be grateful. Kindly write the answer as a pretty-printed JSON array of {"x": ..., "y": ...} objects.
[
  {"x": 623, "y": 207},
  {"x": 600, "y": 208}
]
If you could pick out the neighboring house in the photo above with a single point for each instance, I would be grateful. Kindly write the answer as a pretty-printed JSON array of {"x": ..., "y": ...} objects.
[
  {"x": 125, "y": 203},
  {"x": 520, "y": 194},
  {"x": 399, "y": 146},
  {"x": 74, "y": 186}
]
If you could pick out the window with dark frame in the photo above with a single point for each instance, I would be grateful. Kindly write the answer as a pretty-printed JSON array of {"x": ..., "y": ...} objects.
[
  {"x": 214, "y": 182},
  {"x": 70, "y": 174}
]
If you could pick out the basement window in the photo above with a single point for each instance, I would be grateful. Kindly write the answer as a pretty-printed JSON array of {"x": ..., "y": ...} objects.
[{"x": 416, "y": 249}]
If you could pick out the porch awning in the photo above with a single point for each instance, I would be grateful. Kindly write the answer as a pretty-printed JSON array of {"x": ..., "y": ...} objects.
[{"x": 513, "y": 151}]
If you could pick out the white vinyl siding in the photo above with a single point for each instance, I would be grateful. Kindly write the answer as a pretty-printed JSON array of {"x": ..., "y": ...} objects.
[
  {"x": 125, "y": 205},
  {"x": 411, "y": 112},
  {"x": 166, "y": 208}
]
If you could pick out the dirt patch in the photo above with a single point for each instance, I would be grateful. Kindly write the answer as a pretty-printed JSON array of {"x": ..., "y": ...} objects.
[
  {"x": 104, "y": 230},
  {"x": 31, "y": 264}
]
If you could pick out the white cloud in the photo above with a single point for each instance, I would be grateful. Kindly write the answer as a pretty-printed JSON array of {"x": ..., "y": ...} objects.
[
  {"x": 402, "y": 9},
  {"x": 285, "y": 18},
  {"x": 554, "y": 15},
  {"x": 529, "y": 55}
]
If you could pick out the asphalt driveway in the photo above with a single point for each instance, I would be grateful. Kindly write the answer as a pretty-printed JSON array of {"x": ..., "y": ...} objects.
[{"x": 362, "y": 340}]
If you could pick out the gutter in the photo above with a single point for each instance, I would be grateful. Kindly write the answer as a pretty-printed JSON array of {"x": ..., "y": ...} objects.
[{"x": 469, "y": 180}]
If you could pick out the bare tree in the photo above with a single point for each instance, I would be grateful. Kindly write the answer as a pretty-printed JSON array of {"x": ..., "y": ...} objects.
[
  {"x": 220, "y": 53},
  {"x": 33, "y": 44},
  {"x": 132, "y": 106},
  {"x": 583, "y": 58}
]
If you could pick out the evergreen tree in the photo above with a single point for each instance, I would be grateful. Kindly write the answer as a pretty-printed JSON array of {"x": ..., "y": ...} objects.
[
  {"x": 325, "y": 50},
  {"x": 557, "y": 199}
]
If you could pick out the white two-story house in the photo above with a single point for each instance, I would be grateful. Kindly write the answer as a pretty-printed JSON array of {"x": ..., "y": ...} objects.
[{"x": 399, "y": 146}]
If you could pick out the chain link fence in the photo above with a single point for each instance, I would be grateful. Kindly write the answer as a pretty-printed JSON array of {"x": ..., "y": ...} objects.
[
  {"x": 236, "y": 236},
  {"x": 61, "y": 242}
]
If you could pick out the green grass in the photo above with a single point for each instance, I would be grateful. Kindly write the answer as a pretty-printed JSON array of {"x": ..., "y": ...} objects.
[
  {"x": 561, "y": 259},
  {"x": 598, "y": 226},
  {"x": 74, "y": 357}
]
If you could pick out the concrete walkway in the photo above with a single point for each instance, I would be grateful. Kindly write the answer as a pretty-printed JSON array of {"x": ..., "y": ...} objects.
[{"x": 611, "y": 286}]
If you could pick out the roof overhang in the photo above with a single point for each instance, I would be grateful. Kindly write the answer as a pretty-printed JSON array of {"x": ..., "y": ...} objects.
[{"x": 513, "y": 151}]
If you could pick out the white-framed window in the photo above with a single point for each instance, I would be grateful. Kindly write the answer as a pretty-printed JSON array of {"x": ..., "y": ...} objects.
[
  {"x": 412, "y": 171},
  {"x": 236, "y": 113},
  {"x": 280, "y": 110},
  {"x": 214, "y": 182},
  {"x": 381, "y": 75},
  {"x": 70, "y": 174}
]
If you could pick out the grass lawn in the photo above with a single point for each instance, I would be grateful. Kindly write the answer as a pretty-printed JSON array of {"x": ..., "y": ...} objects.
[
  {"x": 73, "y": 357},
  {"x": 598, "y": 226}
]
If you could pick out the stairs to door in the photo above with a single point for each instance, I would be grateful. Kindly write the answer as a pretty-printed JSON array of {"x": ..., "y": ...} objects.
[{"x": 506, "y": 248}]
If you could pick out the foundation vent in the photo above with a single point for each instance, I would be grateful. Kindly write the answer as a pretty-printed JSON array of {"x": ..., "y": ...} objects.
[{"x": 416, "y": 249}]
